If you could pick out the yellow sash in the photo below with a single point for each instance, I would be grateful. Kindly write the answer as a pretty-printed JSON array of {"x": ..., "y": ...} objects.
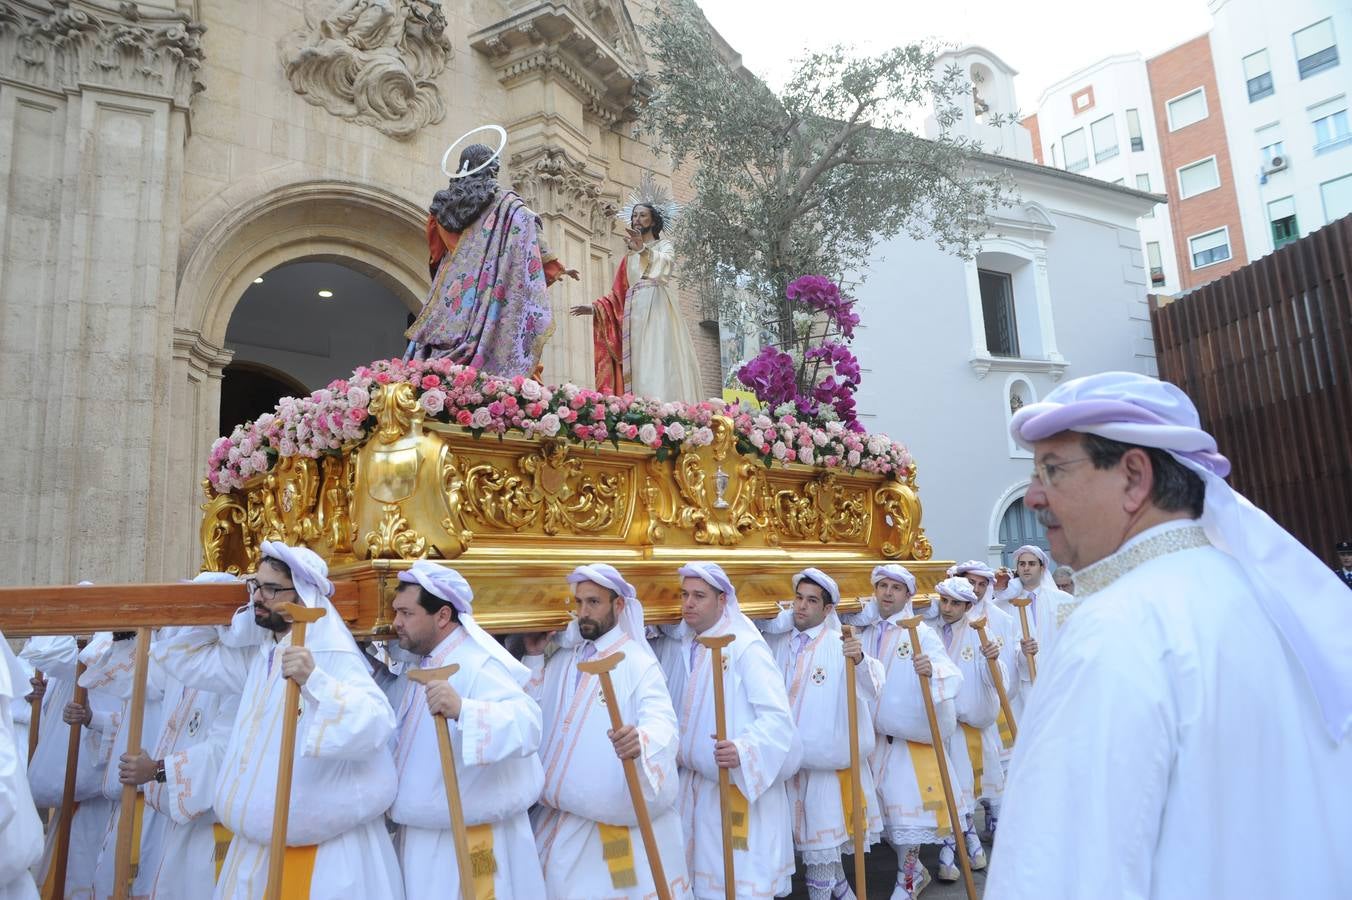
[
  {"x": 618, "y": 851},
  {"x": 223, "y": 838},
  {"x": 137, "y": 814},
  {"x": 481, "y": 860},
  {"x": 928, "y": 779},
  {"x": 298, "y": 867},
  {"x": 847, "y": 800},
  {"x": 741, "y": 818},
  {"x": 974, "y": 756},
  {"x": 1006, "y": 736}
]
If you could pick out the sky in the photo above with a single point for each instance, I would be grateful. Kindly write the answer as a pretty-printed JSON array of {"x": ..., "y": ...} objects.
[{"x": 1044, "y": 40}]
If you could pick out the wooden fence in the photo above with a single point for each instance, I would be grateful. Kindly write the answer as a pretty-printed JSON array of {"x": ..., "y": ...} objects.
[{"x": 1266, "y": 354}]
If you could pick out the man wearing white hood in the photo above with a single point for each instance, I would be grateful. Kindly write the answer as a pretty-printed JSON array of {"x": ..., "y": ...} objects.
[
  {"x": 585, "y": 826},
  {"x": 495, "y": 733},
  {"x": 20, "y": 827},
  {"x": 810, "y": 649},
  {"x": 1189, "y": 736},
  {"x": 343, "y": 781},
  {"x": 902, "y": 757},
  {"x": 1050, "y": 605},
  {"x": 761, "y": 750}
]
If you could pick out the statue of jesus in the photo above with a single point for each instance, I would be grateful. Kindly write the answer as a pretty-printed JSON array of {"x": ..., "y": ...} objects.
[
  {"x": 639, "y": 337},
  {"x": 490, "y": 266}
]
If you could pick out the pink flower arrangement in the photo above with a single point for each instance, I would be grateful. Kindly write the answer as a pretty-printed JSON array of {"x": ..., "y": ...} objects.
[{"x": 338, "y": 417}]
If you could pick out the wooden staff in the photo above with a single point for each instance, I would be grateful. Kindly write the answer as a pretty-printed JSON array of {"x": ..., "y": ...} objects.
[
  {"x": 300, "y": 616},
  {"x": 980, "y": 626},
  {"x": 601, "y": 668},
  {"x": 856, "y": 781},
  {"x": 35, "y": 717},
  {"x": 954, "y": 816},
  {"x": 135, "y": 719},
  {"x": 450, "y": 779},
  {"x": 62, "y": 854},
  {"x": 716, "y": 645},
  {"x": 1023, "y": 603}
]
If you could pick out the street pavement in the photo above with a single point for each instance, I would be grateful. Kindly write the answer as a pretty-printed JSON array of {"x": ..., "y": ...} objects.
[{"x": 881, "y": 872}]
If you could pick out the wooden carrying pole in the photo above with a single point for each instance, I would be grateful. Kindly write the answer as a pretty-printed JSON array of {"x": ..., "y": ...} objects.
[
  {"x": 980, "y": 626},
  {"x": 127, "y": 813},
  {"x": 451, "y": 780},
  {"x": 62, "y": 854},
  {"x": 716, "y": 645},
  {"x": 300, "y": 616},
  {"x": 601, "y": 668},
  {"x": 34, "y": 718},
  {"x": 859, "y": 815},
  {"x": 937, "y": 739},
  {"x": 1022, "y": 603}
]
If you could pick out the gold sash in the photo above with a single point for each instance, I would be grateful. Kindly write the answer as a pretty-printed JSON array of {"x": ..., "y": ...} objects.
[
  {"x": 741, "y": 818},
  {"x": 298, "y": 867},
  {"x": 1006, "y": 736},
  {"x": 930, "y": 781},
  {"x": 618, "y": 851},
  {"x": 847, "y": 799},
  {"x": 137, "y": 815},
  {"x": 482, "y": 862},
  {"x": 223, "y": 838},
  {"x": 975, "y": 757}
]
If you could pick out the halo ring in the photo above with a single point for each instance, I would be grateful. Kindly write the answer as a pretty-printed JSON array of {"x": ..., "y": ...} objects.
[{"x": 502, "y": 145}]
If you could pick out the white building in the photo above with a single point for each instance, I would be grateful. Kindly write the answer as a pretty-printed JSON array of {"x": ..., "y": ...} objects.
[
  {"x": 1098, "y": 122},
  {"x": 950, "y": 346},
  {"x": 1284, "y": 73}
]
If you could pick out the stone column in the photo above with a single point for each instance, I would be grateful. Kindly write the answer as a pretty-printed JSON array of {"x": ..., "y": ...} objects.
[{"x": 93, "y": 118}]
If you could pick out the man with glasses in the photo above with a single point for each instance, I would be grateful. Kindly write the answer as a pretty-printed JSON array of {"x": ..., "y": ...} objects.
[
  {"x": 1189, "y": 736},
  {"x": 344, "y": 778}
]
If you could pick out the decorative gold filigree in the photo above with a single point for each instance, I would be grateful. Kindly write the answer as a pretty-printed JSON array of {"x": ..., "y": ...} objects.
[
  {"x": 335, "y": 505},
  {"x": 899, "y": 508},
  {"x": 394, "y": 539},
  {"x": 264, "y": 520},
  {"x": 397, "y": 412},
  {"x": 223, "y": 529},
  {"x": 693, "y": 493},
  {"x": 453, "y": 493},
  {"x": 297, "y": 493},
  {"x": 825, "y": 510},
  {"x": 553, "y": 491}
]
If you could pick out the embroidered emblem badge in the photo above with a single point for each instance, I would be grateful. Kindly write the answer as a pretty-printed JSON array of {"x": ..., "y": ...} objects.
[
  {"x": 903, "y": 650},
  {"x": 195, "y": 722},
  {"x": 968, "y": 654},
  {"x": 818, "y": 675}
]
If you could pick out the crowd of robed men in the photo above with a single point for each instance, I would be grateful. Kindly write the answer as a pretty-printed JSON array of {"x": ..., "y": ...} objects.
[
  {"x": 544, "y": 798},
  {"x": 1187, "y": 734}
]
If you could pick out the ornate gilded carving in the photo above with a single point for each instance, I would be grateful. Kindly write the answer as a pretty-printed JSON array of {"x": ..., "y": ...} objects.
[
  {"x": 77, "y": 43},
  {"x": 223, "y": 531},
  {"x": 335, "y": 505},
  {"x": 394, "y": 539},
  {"x": 690, "y": 496},
  {"x": 824, "y": 510},
  {"x": 899, "y": 508},
  {"x": 397, "y": 412},
  {"x": 553, "y": 492},
  {"x": 374, "y": 62}
]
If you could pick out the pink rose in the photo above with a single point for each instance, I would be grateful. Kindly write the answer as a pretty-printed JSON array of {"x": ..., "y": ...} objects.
[
  {"x": 676, "y": 431},
  {"x": 357, "y": 415},
  {"x": 852, "y": 459},
  {"x": 433, "y": 402},
  {"x": 430, "y": 381},
  {"x": 481, "y": 418},
  {"x": 805, "y": 456},
  {"x": 464, "y": 417},
  {"x": 648, "y": 434}
]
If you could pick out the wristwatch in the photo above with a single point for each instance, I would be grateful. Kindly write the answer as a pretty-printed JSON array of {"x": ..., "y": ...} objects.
[{"x": 160, "y": 775}]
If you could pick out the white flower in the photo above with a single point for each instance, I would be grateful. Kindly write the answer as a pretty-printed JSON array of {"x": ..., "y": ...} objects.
[
  {"x": 764, "y": 423},
  {"x": 481, "y": 418},
  {"x": 676, "y": 431},
  {"x": 531, "y": 390},
  {"x": 358, "y": 396},
  {"x": 757, "y": 438},
  {"x": 819, "y": 438},
  {"x": 433, "y": 401},
  {"x": 805, "y": 455},
  {"x": 852, "y": 459},
  {"x": 647, "y": 433},
  {"x": 549, "y": 425},
  {"x": 780, "y": 450},
  {"x": 703, "y": 436}
]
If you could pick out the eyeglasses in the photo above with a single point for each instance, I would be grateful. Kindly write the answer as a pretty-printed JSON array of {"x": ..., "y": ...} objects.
[
  {"x": 268, "y": 592},
  {"x": 1047, "y": 473}
]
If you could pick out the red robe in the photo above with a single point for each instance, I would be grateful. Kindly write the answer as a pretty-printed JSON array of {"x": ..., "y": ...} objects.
[{"x": 608, "y": 333}]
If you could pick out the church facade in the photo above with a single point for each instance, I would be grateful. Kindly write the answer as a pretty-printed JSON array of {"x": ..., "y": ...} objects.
[{"x": 161, "y": 160}]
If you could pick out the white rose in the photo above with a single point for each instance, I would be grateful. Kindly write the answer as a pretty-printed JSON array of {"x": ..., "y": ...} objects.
[
  {"x": 676, "y": 431},
  {"x": 648, "y": 433},
  {"x": 780, "y": 450},
  {"x": 530, "y": 390},
  {"x": 549, "y": 425}
]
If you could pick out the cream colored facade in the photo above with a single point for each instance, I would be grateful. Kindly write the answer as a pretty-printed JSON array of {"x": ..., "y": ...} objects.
[{"x": 156, "y": 157}]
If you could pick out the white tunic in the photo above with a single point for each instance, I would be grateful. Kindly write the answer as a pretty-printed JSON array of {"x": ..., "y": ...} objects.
[
  {"x": 178, "y": 843},
  {"x": 977, "y": 707},
  {"x": 585, "y": 785},
  {"x": 494, "y": 743},
  {"x": 1046, "y": 616},
  {"x": 20, "y": 827},
  {"x": 760, "y": 724},
  {"x": 343, "y": 779},
  {"x": 815, "y": 681},
  {"x": 661, "y": 355},
  {"x": 1173, "y": 746},
  {"x": 912, "y": 813}
]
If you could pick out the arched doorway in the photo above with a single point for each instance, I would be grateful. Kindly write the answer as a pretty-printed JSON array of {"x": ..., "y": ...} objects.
[
  {"x": 302, "y": 324},
  {"x": 1019, "y": 527}
]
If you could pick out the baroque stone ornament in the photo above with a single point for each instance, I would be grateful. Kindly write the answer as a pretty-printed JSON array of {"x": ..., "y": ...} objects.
[
  {"x": 552, "y": 182},
  {"x": 63, "y": 44},
  {"x": 373, "y": 62}
]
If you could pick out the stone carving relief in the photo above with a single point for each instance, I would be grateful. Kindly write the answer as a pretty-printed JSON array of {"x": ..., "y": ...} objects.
[
  {"x": 65, "y": 44},
  {"x": 373, "y": 62},
  {"x": 552, "y": 182}
]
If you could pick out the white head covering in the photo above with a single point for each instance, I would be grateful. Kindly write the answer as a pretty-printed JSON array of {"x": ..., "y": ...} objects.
[
  {"x": 957, "y": 588},
  {"x": 828, "y": 584},
  {"x": 447, "y": 584},
  {"x": 1047, "y": 583},
  {"x": 310, "y": 575},
  {"x": 1143, "y": 411},
  {"x": 977, "y": 567},
  {"x": 631, "y": 617},
  {"x": 895, "y": 573},
  {"x": 713, "y": 575}
]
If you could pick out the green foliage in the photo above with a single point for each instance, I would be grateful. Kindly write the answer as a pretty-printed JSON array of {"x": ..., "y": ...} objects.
[{"x": 811, "y": 180}]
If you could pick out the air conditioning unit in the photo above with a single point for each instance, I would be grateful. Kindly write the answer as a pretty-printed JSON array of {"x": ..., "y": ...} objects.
[{"x": 1276, "y": 164}]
